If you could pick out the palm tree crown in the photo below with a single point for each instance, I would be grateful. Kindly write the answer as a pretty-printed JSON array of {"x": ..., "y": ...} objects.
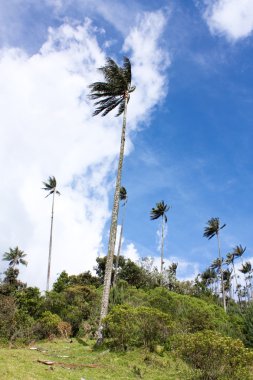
[
  {"x": 50, "y": 186},
  {"x": 158, "y": 211},
  {"x": 115, "y": 90},
  {"x": 15, "y": 257},
  {"x": 238, "y": 251},
  {"x": 212, "y": 228}
]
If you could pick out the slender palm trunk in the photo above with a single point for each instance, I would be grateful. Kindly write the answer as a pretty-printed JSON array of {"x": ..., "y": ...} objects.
[
  {"x": 119, "y": 247},
  {"x": 221, "y": 274},
  {"x": 50, "y": 243},
  {"x": 162, "y": 245},
  {"x": 113, "y": 233}
]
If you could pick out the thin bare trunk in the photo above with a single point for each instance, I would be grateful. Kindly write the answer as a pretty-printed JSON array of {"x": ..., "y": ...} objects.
[
  {"x": 221, "y": 273},
  {"x": 119, "y": 247},
  {"x": 113, "y": 233},
  {"x": 50, "y": 243},
  {"x": 162, "y": 245}
]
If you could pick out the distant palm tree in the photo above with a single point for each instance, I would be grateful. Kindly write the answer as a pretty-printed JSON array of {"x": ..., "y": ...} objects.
[
  {"x": 238, "y": 251},
  {"x": 160, "y": 212},
  {"x": 246, "y": 269},
  {"x": 113, "y": 93},
  {"x": 15, "y": 257},
  {"x": 213, "y": 229},
  {"x": 124, "y": 198},
  {"x": 50, "y": 187}
]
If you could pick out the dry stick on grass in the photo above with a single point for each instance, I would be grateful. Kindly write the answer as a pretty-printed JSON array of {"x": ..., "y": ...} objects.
[{"x": 69, "y": 365}]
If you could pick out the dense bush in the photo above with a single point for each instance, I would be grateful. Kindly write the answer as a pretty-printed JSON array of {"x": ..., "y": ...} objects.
[
  {"x": 191, "y": 314},
  {"x": 217, "y": 357},
  {"x": 142, "y": 326}
]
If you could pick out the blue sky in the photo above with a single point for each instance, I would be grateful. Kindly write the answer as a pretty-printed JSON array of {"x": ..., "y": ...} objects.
[{"x": 189, "y": 128}]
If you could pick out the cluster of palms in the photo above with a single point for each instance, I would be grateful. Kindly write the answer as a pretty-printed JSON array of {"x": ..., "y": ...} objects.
[{"x": 225, "y": 280}]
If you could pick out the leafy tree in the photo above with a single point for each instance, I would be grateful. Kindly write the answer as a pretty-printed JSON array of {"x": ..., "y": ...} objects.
[
  {"x": 160, "y": 212},
  {"x": 113, "y": 93},
  {"x": 50, "y": 187},
  {"x": 123, "y": 197},
  {"x": 213, "y": 229}
]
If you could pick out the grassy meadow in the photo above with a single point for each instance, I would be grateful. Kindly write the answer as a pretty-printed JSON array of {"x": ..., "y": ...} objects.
[{"x": 78, "y": 360}]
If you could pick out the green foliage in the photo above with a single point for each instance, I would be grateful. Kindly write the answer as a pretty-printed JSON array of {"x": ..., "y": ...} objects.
[
  {"x": 7, "y": 316},
  {"x": 190, "y": 314},
  {"x": 248, "y": 325},
  {"x": 64, "y": 281},
  {"x": 47, "y": 325},
  {"x": 217, "y": 357},
  {"x": 30, "y": 300},
  {"x": 142, "y": 326},
  {"x": 128, "y": 271}
]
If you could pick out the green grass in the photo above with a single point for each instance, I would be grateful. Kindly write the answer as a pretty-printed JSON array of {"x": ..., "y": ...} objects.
[{"x": 22, "y": 363}]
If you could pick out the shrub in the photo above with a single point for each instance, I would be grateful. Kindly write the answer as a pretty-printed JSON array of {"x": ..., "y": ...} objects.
[
  {"x": 217, "y": 357},
  {"x": 141, "y": 326},
  {"x": 64, "y": 329},
  {"x": 190, "y": 314},
  {"x": 48, "y": 324}
]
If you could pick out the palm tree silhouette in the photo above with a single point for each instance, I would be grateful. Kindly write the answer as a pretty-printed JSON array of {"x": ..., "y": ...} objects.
[
  {"x": 50, "y": 187},
  {"x": 111, "y": 94},
  {"x": 160, "y": 212},
  {"x": 213, "y": 229},
  {"x": 124, "y": 198}
]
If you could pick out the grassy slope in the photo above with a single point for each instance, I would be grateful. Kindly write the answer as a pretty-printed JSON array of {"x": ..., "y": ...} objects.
[{"x": 21, "y": 364}]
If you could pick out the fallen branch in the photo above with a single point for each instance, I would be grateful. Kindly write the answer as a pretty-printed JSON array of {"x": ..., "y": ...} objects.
[{"x": 68, "y": 365}]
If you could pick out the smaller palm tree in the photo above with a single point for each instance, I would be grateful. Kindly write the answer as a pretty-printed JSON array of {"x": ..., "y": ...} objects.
[
  {"x": 246, "y": 269},
  {"x": 213, "y": 229},
  {"x": 238, "y": 251},
  {"x": 15, "y": 257},
  {"x": 160, "y": 212},
  {"x": 50, "y": 187},
  {"x": 123, "y": 197}
]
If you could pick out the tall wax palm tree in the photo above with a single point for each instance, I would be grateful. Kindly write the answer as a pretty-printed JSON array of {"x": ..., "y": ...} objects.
[
  {"x": 113, "y": 93},
  {"x": 160, "y": 212},
  {"x": 15, "y": 257},
  {"x": 213, "y": 229},
  {"x": 50, "y": 187},
  {"x": 123, "y": 197}
]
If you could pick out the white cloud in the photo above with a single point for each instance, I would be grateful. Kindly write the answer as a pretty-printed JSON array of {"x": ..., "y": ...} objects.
[
  {"x": 232, "y": 18},
  {"x": 46, "y": 128}
]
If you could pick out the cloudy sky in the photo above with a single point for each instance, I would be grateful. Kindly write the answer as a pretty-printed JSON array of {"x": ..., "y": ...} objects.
[{"x": 189, "y": 139}]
